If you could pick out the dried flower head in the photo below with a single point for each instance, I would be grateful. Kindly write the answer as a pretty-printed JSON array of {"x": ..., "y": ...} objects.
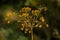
[
  {"x": 26, "y": 9},
  {"x": 8, "y": 22},
  {"x": 40, "y": 26},
  {"x": 26, "y": 29},
  {"x": 10, "y": 16},
  {"x": 35, "y": 12},
  {"x": 22, "y": 28},
  {"x": 42, "y": 19},
  {"x": 29, "y": 19},
  {"x": 25, "y": 14},
  {"x": 29, "y": 32},
  {"x": 45, "y": 9},
  {"x": 47, "y": 25}
]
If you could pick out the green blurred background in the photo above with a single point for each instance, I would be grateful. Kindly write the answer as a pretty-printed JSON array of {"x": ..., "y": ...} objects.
[{"x": 52, "y": 16}]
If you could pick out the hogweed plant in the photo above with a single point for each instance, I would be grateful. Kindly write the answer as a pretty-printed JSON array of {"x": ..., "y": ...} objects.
[{"x": 28, "y": 19}]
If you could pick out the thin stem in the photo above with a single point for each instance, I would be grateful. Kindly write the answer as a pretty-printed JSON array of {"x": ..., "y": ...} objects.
[{"x": 32, "y": 33}]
